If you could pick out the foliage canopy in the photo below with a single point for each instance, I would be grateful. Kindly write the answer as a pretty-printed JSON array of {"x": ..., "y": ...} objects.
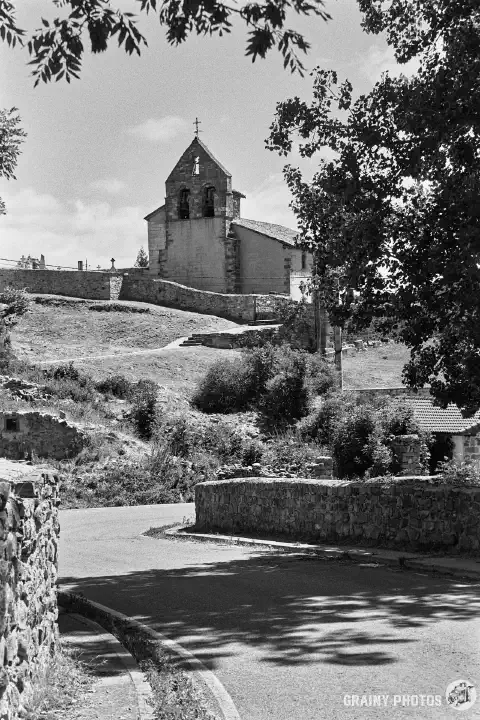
[
  {"x": 11, "y": 137},
  {"x": 57, "y": 47},
  {"x": 396, "y": 212}
]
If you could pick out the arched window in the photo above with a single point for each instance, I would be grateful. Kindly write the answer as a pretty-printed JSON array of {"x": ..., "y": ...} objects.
[
  {"x": 184, "y": 204},
  {"x": 208, "y": 209}
]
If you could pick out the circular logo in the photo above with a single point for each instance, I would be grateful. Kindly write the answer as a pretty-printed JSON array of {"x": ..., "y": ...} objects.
[{"x": 461, "y": 694}]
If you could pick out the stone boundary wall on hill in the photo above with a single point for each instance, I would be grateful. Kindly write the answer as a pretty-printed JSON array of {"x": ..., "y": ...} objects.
[
  {"x": 241, "y": 308},
  {"x": 28, "y": 603},
  {"x": 402, "y": 515},
  {"x": 72, "y": 283},
  {"x": 45, "y": 435}
]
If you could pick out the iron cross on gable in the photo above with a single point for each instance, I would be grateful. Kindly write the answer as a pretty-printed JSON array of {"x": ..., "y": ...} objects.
[{"x": 197, "y": 123}]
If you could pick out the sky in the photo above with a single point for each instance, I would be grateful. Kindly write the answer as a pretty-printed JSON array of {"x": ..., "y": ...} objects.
[{"x": 98, "y": 151}]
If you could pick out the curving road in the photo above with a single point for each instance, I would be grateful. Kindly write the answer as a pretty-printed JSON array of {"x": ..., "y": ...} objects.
[{"x": 290, "y": 638}]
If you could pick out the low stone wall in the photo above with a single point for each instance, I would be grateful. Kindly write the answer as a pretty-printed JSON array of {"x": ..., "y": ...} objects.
[
  {"x": 29, "y": 533},
  {"x": 45, "y": 435},
  {"x": 240, "y": 308},
  {"x": 73, "y": 283},
  {"x": 402, "y": 515}
]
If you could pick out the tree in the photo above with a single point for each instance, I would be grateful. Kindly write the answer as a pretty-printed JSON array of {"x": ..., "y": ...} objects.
[
  {"x": 397, "y": 211},
  {"x": 142, "y": 259},
  {"x": 13, "y": 304},
  {"x": 11, "y": 137},
  {"x": 57, "y": 48}
]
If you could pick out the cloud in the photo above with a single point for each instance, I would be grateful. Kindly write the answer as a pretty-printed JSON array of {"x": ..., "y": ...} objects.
[
  {"x": 160, "y": 129},
  {"x": 269, "y": 202},
  {"x": 112, "y": 186},
  {"x": 65, "y": 233},
  {"x": 378, "y": 61}
]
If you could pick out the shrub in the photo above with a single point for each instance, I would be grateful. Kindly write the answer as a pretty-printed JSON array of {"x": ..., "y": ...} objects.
[
  {"x": 66, "y": 382},
  {"x": 321, "y": 377},
  {"x": 286, "y": 398},
  {"x": 116, "y": 385},
  {"x": 275, "y": 380},
  {"x": 144, "y": 404},
  {"x": 225, "y": 388},
  {"x": 352, "y": 443},
  {"x": 320, "y": 424},
  {"x": 287, "y": 449},
  {"x": 183, "y": 437},
  {"x": 455, "y": 473},
  {"x": 65, "y": 372}
]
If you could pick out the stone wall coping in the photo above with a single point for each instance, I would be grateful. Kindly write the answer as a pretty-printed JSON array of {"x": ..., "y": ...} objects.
[
  {"x": 163, "y": 281},
  {"x": 404, "y": 482}
]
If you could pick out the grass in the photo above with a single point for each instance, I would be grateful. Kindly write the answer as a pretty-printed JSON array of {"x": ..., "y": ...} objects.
[
  {"x": 175, "y": 697},
  {"x": 57, "y": 691},
  {"x": 59, "y": 328},
  {"x": 376, "y": 367}
]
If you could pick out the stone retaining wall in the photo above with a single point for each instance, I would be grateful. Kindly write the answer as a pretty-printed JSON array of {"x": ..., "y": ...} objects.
[
  {"x": 45, "y": 435},
  {"x": 399, "y": 515},
  {"x": 240, "y": 308},
  {"x": 72, "y": 283},
  {"x": 29, "y": 533}
]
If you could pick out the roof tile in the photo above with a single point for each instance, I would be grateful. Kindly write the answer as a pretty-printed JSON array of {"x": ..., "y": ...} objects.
[
  {"x": 276, "y": 232},
  {"x": 448, "y": 420}
]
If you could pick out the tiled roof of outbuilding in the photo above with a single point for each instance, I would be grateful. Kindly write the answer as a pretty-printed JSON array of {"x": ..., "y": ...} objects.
[
  {"x": 448, "y": 420},
  {"x": 276, "y": 232}
]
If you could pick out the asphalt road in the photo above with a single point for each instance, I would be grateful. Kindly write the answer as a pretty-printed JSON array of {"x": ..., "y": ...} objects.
[{"x": 290, "y": 638}]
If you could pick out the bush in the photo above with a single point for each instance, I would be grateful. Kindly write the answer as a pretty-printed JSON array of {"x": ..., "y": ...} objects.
[
  {"x": 320, "y": 424},
  {"x": 144, "y": 406},
  {"x": 455, "y": 473},
  {"x": 287, "y": 449},
  {"x": 65, "y": 372},
  {"x": 286, "y": 398},
  {"x": 183, "y": 437},
  {"x": 321, "y": 377},
  {"x": 66, "y": 382},
  {"x": 116, "y": 386},
  {"x": 352, "y": 444},
  {"x": 225, "y": 388},
  {"x": 272, "y": 379}
]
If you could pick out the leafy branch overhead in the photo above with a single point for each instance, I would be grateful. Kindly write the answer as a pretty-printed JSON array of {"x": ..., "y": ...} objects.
[
  {"x": 396, "y": 212},
  {"x": 57, "y": 48},
  {"x": 11, "y": 137}
]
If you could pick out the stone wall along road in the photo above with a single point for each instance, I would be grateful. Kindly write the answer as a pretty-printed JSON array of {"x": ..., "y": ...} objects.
[
  {"x": 29, "y": 532},
  {"x": 408, "y": 514}
]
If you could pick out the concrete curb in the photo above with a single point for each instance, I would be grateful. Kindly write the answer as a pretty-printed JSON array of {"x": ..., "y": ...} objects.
[
  {"x": 142, "y": 687},
  {"x": 394, "y": 558},
  {"x": 143, "y": 643}
]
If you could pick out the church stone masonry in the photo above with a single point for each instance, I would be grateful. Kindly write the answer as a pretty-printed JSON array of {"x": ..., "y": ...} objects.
[{"x": 199, "y": 239}]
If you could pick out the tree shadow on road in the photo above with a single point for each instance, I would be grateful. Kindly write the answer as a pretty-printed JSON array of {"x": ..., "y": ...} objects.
[{"x": 290, "y": 610}]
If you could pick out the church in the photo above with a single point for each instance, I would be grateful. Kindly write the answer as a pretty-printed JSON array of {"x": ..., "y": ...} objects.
[{"x": 199, "y": 238}]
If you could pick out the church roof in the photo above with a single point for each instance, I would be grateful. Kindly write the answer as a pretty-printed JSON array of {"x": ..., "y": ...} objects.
[
  {"x": 150, "y": 215},
  {"x": 276, "y": 232}
]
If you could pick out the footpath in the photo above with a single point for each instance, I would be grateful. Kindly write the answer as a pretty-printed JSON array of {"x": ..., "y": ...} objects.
[{"x": 119, "y": 691}]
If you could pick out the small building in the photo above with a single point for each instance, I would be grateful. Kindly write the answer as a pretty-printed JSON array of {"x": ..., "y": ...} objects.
[
  {"x": 198, "y": 237},
  {"x": 456, "y": 437}
]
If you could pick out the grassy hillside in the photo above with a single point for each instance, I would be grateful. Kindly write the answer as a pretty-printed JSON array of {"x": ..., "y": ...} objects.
[
  {"x": 59, "y": 328},
  {"x": 376, "y": 367}
]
